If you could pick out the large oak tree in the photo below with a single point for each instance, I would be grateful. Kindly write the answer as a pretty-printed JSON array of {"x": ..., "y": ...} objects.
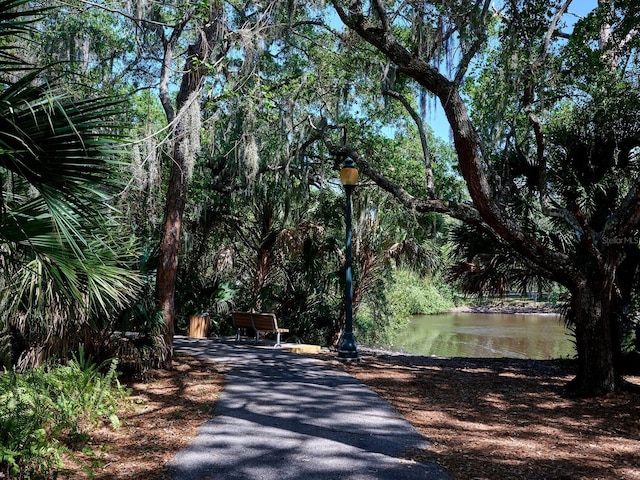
[{"x": 549, "y": 121}]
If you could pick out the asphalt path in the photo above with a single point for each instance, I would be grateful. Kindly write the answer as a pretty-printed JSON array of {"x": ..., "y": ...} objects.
[{"x": 285, "y": 416}]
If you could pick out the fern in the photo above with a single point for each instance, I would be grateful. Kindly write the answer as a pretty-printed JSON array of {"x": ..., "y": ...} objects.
[
  {"x": 5, "y": 345},
  {"x": 40, "y": 408},
  {"x": 25, "y": 445}
]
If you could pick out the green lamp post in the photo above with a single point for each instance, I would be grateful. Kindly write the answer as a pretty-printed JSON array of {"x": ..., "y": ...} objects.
[{"x": 347, "y": 348}]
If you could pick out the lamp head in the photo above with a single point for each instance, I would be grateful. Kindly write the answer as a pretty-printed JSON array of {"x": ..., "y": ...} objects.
[{"x": 349, "y": 173}]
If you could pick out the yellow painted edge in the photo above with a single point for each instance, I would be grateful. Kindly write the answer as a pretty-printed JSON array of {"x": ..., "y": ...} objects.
[{"x": 303, "y": 348}]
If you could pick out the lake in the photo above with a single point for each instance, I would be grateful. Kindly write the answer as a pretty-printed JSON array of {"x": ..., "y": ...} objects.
[{"x": 462, "y": 334}]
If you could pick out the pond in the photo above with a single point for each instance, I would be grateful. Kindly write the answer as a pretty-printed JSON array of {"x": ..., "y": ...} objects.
[{"x": 462, "y": 334}]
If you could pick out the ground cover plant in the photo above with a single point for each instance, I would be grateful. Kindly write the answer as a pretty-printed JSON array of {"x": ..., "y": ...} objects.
[
  {"x": 74, "y": 423},
  {"x": 158, "y": 418},
  {"x": 45, "y": 411}
]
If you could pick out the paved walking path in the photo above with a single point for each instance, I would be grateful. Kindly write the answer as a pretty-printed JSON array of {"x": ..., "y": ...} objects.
[{"x": 284, "y": 416}]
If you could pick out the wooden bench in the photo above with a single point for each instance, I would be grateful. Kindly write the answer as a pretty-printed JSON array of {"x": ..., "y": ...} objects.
[{"x": 259, "y": 322}]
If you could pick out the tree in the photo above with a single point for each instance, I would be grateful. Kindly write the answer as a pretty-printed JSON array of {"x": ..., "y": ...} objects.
[
  {"x": 257, "y": 105},
  {"x": 184, "y": 120},
  {"x": 555, "y": 137}
]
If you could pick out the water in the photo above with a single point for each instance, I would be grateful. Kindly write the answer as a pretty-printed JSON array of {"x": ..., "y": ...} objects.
[{"x": 486, "y": 335}]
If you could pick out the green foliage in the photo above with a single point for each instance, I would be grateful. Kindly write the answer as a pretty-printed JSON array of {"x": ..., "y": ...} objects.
[
  {"x": 374, "y": 327},
  {"x": 45, "y": 410},
  {"x": 203, "y": 295},
  {"x": 138, "y": 340},
  {"x": 82, "y": 395},
  {"x": 62, "y": 269},
  {"x": 415, "y": 295},
  {"x": 405, "y": 294},
  {"x": 6, "y": 356},
  {"x": 568, "y": 184},
  {"x": 308, "y": 299},
  {"x": 481, "y": 267},
  {"x": 264, "y": 190}
]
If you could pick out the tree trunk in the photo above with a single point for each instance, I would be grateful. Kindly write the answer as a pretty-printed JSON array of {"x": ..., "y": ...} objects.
[
  {"x": 169, "y": 249},
  {"x": 596, "y": 371},
  {"x": 195, "y": 69},
  {"x": 592, "y": 293},
  {"x": 264, "y": 253}
]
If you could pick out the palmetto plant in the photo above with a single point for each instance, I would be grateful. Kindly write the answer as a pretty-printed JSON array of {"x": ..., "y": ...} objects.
[
  {"x": 482, "y": 268},
  {"x": 58, "y": 264}
]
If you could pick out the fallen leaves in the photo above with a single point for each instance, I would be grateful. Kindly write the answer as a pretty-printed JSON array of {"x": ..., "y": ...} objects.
[
  {"x": 496, "y": 419},
  {"x": 161, "y": 417}
]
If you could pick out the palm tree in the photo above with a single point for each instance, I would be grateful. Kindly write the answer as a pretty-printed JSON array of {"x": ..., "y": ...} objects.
[{"x": 57, "y": 257}]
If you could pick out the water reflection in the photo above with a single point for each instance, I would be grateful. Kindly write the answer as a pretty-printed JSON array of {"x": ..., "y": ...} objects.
[{"x": 487, "y": 335}]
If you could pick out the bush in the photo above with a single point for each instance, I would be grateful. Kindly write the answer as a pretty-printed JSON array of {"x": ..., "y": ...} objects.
[
  {"x": 389, "y": 310},
  {"x": 374, "y": 328},
  {"x": 43, "y": 408},
  {"x": 25, "y": 447},
  {"x": 412, "y": 295}
]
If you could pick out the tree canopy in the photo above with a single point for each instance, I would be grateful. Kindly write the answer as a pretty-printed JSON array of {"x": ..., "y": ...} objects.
[
  {"x": 239, "y": 115},
  {"x": 547, "y": 147}
]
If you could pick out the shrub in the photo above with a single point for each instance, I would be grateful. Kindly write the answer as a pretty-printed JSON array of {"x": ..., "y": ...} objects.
[
  {"x": 43, "y": 408},
  {"x": 374, "y": 328},
  {"x": 413, "y": 295},
  {"x": 389, "y": 310},
  {"x": 26, "y": 449}
]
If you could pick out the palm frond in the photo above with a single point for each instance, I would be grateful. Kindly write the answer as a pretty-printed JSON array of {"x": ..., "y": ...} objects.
[
  {"x": 5, "y": 344},
  {"x": 53, "y": 141},
  {"x": 483, "y": 267},
  {"x": 61, "y": 268},
  {"x": 15, "y": 23}
]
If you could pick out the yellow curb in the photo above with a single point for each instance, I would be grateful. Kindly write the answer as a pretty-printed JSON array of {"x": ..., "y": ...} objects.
[{"x": 303, "y": 348}]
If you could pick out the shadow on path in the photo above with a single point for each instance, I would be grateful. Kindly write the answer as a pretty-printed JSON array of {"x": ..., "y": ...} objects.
[{"x": 285, "y": 416}]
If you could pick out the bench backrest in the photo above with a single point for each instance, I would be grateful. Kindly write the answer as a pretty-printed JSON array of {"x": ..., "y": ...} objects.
[
  {"x": 258, "y": 321},
  {"x": 241, "y": 320},
  {"x": 265, "y": 321}
]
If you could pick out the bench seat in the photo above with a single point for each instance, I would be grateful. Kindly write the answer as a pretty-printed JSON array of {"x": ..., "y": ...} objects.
[{"x": 259, "y": 322}]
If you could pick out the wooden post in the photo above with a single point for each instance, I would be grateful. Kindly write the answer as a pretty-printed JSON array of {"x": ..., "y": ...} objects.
[{"x": 198, "y": 326}]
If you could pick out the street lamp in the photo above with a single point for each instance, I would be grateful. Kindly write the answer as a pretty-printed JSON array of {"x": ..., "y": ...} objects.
[{"x": 347, "y": 349}]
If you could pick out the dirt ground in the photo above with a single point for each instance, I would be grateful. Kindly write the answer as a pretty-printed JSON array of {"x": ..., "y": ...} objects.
[
  {"x": 160, "y": 417},
  {"x": 503, "y": 419},
  {"x": 494, "y": 419}
]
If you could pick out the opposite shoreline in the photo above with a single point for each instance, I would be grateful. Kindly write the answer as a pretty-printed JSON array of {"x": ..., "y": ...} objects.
[{"x": 507, "y": 309}]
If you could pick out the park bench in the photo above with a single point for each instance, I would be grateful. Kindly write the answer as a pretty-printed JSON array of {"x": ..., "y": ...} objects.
[{"x": 259, "y": 322}]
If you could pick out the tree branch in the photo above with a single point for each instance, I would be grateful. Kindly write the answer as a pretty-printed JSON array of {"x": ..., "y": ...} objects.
[
  {"x": 528, "y": 99},
  {"x": 627, "y": 217},
  {"x": 426, "y": 154},
  {"x": 165, "y": 71},
  {"x": 461, "y": 211},
  {"x": 468, "y": 56},
  {"x": 467, "y": 146},
  {"x": 122, "y": 14}
]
